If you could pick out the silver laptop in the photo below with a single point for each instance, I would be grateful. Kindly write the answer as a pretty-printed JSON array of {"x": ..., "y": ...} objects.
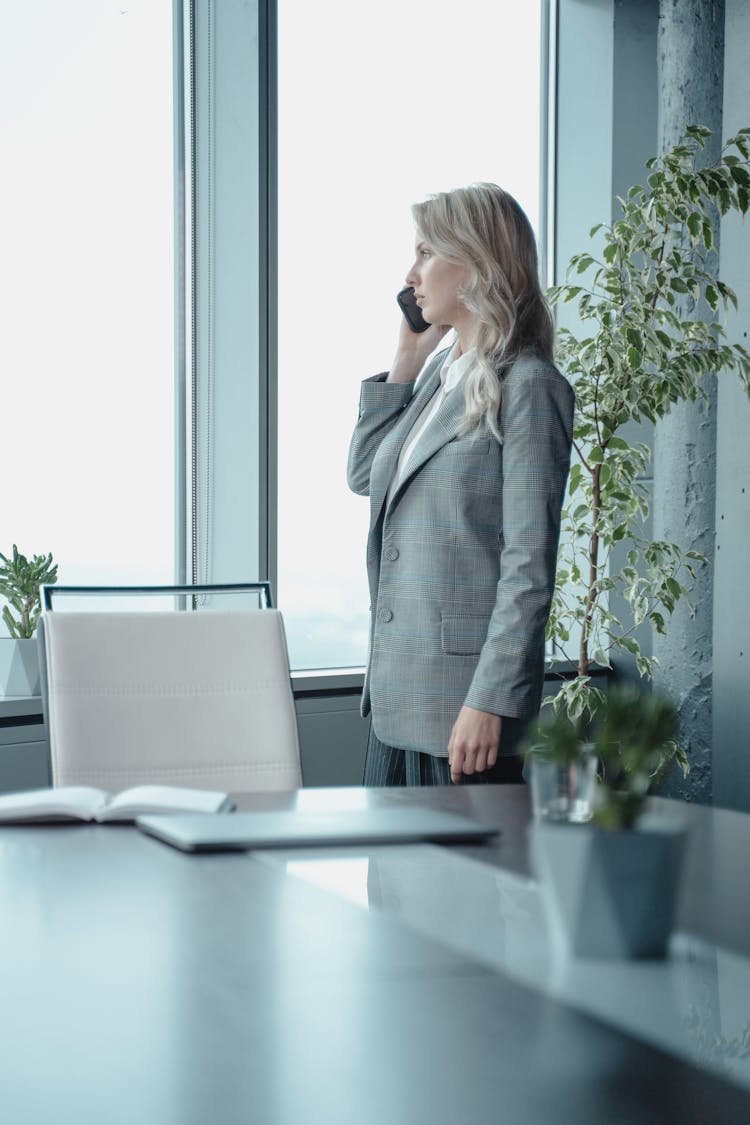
[{"x": 308, "y": 828}]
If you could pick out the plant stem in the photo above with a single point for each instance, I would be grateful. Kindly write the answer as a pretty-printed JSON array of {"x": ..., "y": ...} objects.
[
  {"x": 591, "y": 593},
  {"x": 579, "y": 451}
]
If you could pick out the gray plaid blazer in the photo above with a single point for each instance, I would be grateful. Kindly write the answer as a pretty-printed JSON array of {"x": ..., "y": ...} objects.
[{"x": 461, "y": 556}]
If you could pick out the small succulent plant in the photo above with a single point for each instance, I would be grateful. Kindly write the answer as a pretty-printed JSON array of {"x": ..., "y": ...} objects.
[{"x": 20, "y": 579}]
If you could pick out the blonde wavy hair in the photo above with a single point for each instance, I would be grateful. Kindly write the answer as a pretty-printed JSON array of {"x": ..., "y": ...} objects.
[{"x": 484, "y": 229}]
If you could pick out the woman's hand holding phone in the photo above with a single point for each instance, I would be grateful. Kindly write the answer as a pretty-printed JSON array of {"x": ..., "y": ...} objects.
[
  {"x": 414, "y": 346},
  {"x": 409, "y": 306}
]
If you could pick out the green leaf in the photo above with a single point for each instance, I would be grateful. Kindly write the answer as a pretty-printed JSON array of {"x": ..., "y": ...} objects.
[
  {"x": 727, "y": 293},
  {"x": 708, "y": 234},
  {"x": 674, "y": 587},
  {"x": 739, "y": 174},
  {"x": 574, "y": 478},
  {"x": 10, "y": 622}
]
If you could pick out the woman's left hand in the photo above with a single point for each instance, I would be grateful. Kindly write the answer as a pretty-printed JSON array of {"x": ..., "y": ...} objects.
[{"x": 474, "y": 742}]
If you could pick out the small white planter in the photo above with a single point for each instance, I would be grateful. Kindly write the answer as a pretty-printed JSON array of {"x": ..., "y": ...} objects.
[
  {"x": 610, "y": 894},
  {"x": 19, "y": 667}
]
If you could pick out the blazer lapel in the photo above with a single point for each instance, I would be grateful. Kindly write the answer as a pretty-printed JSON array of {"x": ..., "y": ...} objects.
[
  {"x": 441, "y": 429},
  {"x": 386, "y": 463},
  {"x": 383, "y": 468}
]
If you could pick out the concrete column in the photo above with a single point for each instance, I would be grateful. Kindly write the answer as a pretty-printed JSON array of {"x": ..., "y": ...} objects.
[
  {"x": 731, "y": 698},
  {"x": 691, "y": 71}
]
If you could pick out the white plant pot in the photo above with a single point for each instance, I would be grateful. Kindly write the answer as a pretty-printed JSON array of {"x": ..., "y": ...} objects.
[
  {"x": 19, "y": 667},
  {"x": 610, "y": 894}
]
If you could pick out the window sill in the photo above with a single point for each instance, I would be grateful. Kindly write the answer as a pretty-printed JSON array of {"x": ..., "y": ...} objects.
[
  {"x": 20, "y": 708},
  {"x": 327, "y": 681}
]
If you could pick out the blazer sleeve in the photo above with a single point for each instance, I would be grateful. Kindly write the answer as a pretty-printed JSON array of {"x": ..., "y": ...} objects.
[
  {"x": 536, "y": 416},
  {"x": 380, "y": 406}
]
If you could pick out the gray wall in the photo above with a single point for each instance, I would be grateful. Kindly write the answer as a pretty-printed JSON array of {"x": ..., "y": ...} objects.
[
  {"x": 731, "y": 642},
  {"x": 24, "y": 746},
  {"x": 333, "y": 737},
  {"x": 634, "y": 141},
  {"x": 691, "y": 63}
]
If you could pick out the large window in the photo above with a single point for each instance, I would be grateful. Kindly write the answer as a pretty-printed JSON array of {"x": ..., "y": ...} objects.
[
  {"x": 379, "y": 104},
  {"x": 87, "y": 290}
]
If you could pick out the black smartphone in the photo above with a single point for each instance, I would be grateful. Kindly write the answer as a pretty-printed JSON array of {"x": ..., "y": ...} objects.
[{"x": 411, "y": 310}]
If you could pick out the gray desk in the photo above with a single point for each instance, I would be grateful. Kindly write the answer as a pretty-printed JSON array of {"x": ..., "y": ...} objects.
[{"x": 142, "y": 985}]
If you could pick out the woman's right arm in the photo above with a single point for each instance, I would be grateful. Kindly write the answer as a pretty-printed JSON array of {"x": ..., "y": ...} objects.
[
  {"x": 383, "y": 397},
  {"x": 380, "y": 405}
]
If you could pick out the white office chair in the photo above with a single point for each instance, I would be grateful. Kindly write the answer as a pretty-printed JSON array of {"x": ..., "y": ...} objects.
[{"x": 201, "y": 699}]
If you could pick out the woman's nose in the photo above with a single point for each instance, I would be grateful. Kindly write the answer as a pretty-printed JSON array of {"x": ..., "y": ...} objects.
[{"x": 411, "y": 277}]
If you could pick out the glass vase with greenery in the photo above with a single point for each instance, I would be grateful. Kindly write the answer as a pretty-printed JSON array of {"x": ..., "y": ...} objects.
[{"x": 630, "y": 734}]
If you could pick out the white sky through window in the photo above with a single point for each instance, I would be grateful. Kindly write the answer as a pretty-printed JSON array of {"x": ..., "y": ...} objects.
[
  {"x": 379, "y": 105},
  {"x": 86, "y": 287}
]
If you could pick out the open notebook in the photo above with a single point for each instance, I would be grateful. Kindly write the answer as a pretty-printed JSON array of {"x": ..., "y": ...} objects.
[
  {"x": 297, "y": 828},
  {"x": 84, "y": 802}
]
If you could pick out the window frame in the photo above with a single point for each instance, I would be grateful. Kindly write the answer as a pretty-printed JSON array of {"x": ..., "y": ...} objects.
[{"x": 262, "y": 564}]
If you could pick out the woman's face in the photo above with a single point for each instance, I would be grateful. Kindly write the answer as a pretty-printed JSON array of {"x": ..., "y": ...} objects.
[{"x": 436, "y": 283}]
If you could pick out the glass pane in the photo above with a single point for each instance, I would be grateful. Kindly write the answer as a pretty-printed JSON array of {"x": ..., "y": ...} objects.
[
  {"x": 395, "y": 101},
  {"x": 87, "y": 450}
]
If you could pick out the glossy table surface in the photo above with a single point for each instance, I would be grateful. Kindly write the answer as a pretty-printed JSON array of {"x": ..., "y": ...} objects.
[{"x": 383, "y": 985}]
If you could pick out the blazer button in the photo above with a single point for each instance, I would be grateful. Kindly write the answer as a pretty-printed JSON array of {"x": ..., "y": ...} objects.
[
  {"x": 385, "y": 615},
  {"x": 391, "y": 553}
]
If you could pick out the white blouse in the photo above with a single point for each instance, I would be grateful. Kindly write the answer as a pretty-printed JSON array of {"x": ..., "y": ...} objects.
[{"x": 451, "y": 374}]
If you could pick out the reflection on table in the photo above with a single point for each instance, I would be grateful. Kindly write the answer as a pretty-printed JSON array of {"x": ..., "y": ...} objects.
[
  {"x": 695, "y": 1004},
  {"x": 385, "y": 985}
]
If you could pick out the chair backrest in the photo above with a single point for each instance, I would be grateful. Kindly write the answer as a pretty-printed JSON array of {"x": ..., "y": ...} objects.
[{"x": 201, "y": 699}]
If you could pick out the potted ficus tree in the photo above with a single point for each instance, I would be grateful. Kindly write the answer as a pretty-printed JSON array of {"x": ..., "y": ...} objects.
[
  {"x": 611, "y": 884},
  {"x": 648, "y": 301},
  {"x": 20, "y": 579}
]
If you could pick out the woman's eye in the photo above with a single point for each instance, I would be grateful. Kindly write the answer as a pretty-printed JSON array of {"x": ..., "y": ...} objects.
[{"x": 425, "y": 253}]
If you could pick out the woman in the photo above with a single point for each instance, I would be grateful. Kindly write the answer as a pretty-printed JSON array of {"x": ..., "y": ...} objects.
[{"x": 466, "y": 474}]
